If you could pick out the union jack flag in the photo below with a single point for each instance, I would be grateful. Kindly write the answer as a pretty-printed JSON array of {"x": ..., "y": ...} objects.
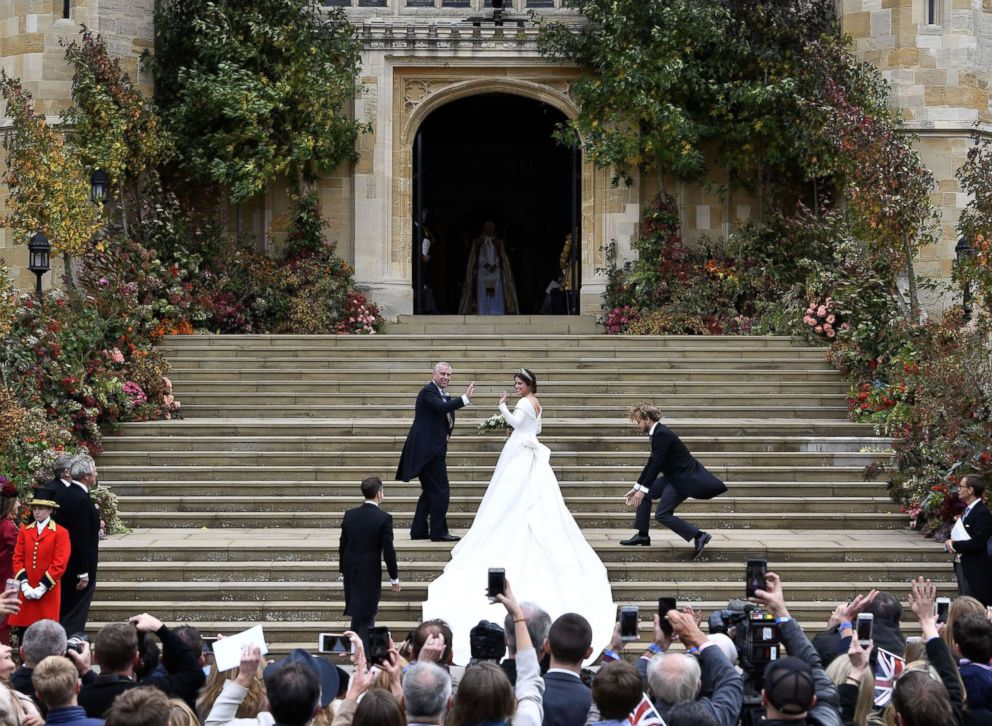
[
  {"x": 888, "y": 668},
  {"x": 645, "y": 714}
]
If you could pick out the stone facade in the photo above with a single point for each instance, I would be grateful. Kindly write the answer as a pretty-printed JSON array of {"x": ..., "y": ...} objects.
[{"x": 421, "y": 54}]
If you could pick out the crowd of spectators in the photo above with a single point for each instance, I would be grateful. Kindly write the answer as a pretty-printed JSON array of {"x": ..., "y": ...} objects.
[{"x": 143, "y": 673}]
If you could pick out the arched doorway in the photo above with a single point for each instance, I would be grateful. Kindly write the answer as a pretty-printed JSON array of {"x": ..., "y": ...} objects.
[{"x": 491, "y": 157}]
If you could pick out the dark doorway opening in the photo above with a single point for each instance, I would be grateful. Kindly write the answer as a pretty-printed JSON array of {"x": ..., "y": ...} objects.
[{"x": 492, "y": 157}]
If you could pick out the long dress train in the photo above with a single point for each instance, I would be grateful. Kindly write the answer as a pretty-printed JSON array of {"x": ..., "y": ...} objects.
[{"x": 523, "y": 526}]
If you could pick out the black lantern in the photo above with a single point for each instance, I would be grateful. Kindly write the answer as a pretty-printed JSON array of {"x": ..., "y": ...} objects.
[
  {"x": 39, "y": 249},
  {"x": 963, "y": 251},
  {"x": 99, "y": 186}
]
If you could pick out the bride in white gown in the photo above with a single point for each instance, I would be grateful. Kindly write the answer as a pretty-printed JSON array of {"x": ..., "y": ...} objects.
[{"x": 524, "y": 527}]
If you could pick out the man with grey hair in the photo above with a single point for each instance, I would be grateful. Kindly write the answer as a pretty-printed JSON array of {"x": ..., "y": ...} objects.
[
  {"x": 61, "y": 469},
  {"x": 426, "y": 694},
  {"x": 79, "y": 515},
  {"x": 538, "y": 625},
  {"x": 42, "y": 639},
  {"x": 425, "y": 454},
  {"x": 677, "y": 677}
]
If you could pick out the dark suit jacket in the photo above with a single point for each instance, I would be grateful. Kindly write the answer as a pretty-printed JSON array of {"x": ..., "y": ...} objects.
[
  {"x": 79, "y": 516},
  {"x": 566, "y": 700},
  {"x": 429, "y": 433},
  {"x": 975, "y": 563},
  {"x": 366, "y": 539},
  {"x": 670, "y": 458}
]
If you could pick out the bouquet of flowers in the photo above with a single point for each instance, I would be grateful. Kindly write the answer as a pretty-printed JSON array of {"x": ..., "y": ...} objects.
[{"x": 493, "y": 423}]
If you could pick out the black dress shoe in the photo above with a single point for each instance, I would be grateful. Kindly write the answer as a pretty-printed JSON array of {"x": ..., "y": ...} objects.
[
  {"x": 637, "y": 539},
  {"x": 702, "y": 539},
  {"x": 445, "y": 538}
]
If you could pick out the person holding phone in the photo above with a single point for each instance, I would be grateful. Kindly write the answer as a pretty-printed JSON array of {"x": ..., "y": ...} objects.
[
  {"x": 671, "y": 476},
  {"x": 366, "y": 540}
]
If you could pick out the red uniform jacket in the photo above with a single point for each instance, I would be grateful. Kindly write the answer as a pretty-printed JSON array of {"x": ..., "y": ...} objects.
[{"x": 41, "y": 559}]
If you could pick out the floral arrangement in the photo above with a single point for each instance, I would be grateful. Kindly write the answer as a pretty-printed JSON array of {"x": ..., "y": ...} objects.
[
  {"x": 362, "y": 316},
  {"x": 821, "y": 318},
  {"x": 619, "y": 319},
  {"x": 494, "y": 423}
]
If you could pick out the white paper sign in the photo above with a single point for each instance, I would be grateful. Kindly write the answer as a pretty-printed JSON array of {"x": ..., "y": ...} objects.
[
  {"x": 959, "y": 533},
  {"x": 227, "y": 651}
]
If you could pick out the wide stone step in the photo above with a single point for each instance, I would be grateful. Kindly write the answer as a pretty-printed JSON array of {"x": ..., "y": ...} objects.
[
  {"x": 239, "y": 408},
  {"x": 590, "y": 460},
  {"x": 348, "y": 491},
  {"x": 462, "y": 337},
  {"x": 464, "y": 363},
  {"x": 470, "y": 418},
  {"x": 251, "y": 572},
  {"x": 491, "y": 442},
  {"x": 244, "y": 598},
  {"x": 528, "y": 324},
  {"x": 462, "y": 520},
  {"x": 547, "y": 376},
  {"x": 550, "y": 391},
  {"x": 300, "y": 544},
  {"x": 336, "y": 505},
  {"x": 346, "y": 473}
]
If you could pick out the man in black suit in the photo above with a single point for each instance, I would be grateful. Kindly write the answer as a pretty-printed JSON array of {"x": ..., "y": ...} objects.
[
  {"x": 425, "y": 451},
  {"x": 972, "y": 564},
  {"x": 566, "y": 698},
  {"x": 366, "y": 539},
  {"x": 79, "y": 515},
  {"x": 671, "y": 475}
]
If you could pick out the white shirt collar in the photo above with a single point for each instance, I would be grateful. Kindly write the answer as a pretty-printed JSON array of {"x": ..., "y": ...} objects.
[
  {"x": 79, "y": 483},
  {"x": 439, "y": 389},
  {"x": 42, "y": 525},
  {"x": 373, "y": 503},
  {"x": 66, "y": 482},
  {"x": 969, "y": 508},
  {"x": 562, "y": 670},
  {"x": 651, "y": 432}
]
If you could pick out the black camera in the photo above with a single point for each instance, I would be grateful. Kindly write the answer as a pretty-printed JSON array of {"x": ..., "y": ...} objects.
[
  {"x": 75, "y": 643},
  {"x": 726, "y": 621},
  {"x": 487, "y": 641}
]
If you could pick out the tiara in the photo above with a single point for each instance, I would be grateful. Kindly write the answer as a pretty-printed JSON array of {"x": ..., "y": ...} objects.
[{"x": 525, "y": 375}]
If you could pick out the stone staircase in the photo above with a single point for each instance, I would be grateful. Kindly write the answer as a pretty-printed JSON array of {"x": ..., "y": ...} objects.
[{"x": 235, "y": 509}]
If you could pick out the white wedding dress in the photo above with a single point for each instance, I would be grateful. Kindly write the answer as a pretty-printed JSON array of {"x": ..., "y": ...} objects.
[{"x": 524, "y": 527}]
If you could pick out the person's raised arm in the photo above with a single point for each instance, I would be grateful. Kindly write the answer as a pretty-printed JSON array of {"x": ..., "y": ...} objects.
[
  {"x": 225, "y": 708},
  {"x": 514, "y": 418},
  {"x": 529, "y": 688}
]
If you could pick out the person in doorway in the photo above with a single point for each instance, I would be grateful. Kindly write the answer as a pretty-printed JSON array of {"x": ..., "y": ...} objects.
[
  {"x": 489, "y": 288},
  {"x": 423, "y": 236}
]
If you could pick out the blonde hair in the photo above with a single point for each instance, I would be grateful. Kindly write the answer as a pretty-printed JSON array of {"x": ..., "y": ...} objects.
[
  {"x": 959, "y": 606},
  {"x": 644, "y": 411},
  {"x": 180, "y": 714},
  {"x": 255, "y": 700},
  {"x": 839, "y": 670},
  {"x": 54, "y": 681}
]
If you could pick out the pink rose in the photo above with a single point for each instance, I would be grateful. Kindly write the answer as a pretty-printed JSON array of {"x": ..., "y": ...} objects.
[
  {"x": 818, "y": 328},
  {"x": 821, "y": 311},
  {"x": 831, "y": 333},
  {"x": 116, "y": 356},
  {"x": 831, "y": 318},
  {"x": 827, "y": 327}
]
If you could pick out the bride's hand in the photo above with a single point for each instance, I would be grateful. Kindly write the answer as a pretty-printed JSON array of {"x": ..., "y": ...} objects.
[{"x": 502, "y": 398}]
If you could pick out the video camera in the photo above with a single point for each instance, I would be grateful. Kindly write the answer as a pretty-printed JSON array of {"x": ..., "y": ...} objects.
[{"x": 487, "y": 641}]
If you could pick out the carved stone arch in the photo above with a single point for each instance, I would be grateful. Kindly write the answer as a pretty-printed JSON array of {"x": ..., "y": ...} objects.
[{"x": 419, "y": 92}]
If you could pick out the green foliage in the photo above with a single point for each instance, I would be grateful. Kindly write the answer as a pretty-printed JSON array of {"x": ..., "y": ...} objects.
[
  {"x": 114, "y": 127},
  {"x": 256, "y": 90},
  {"x": 48, "y": 188},
  {"x": 975, "y": 224}
]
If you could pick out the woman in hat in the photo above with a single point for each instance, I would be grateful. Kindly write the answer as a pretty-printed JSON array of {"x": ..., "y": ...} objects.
[
  {"x": 8, "y": 539},
  {"x": 40, "y": 558}
]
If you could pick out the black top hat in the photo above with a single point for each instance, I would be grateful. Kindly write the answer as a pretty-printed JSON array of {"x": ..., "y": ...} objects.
[{"x": 44, "y": 497}]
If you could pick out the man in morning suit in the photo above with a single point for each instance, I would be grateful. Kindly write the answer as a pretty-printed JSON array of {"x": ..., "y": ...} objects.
[
  {"x": 425, "y": 452},
  {"x": 566, "y": 698},
  {"x": 671, "y": 476},
  {"x": 972, "y": 564},
  {"x": 366, "y": 540},
  {"x": 79, "y": 515}
]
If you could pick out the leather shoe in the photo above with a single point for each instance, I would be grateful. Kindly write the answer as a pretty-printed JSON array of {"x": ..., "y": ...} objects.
[
  {"x": 445, "y": 538},
  {"x": 637, "y": 539},
  {"x": 702, "y": 539}
]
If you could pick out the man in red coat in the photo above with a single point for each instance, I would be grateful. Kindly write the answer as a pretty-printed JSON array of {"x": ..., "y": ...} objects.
[{"x": 40, "y": 558}]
